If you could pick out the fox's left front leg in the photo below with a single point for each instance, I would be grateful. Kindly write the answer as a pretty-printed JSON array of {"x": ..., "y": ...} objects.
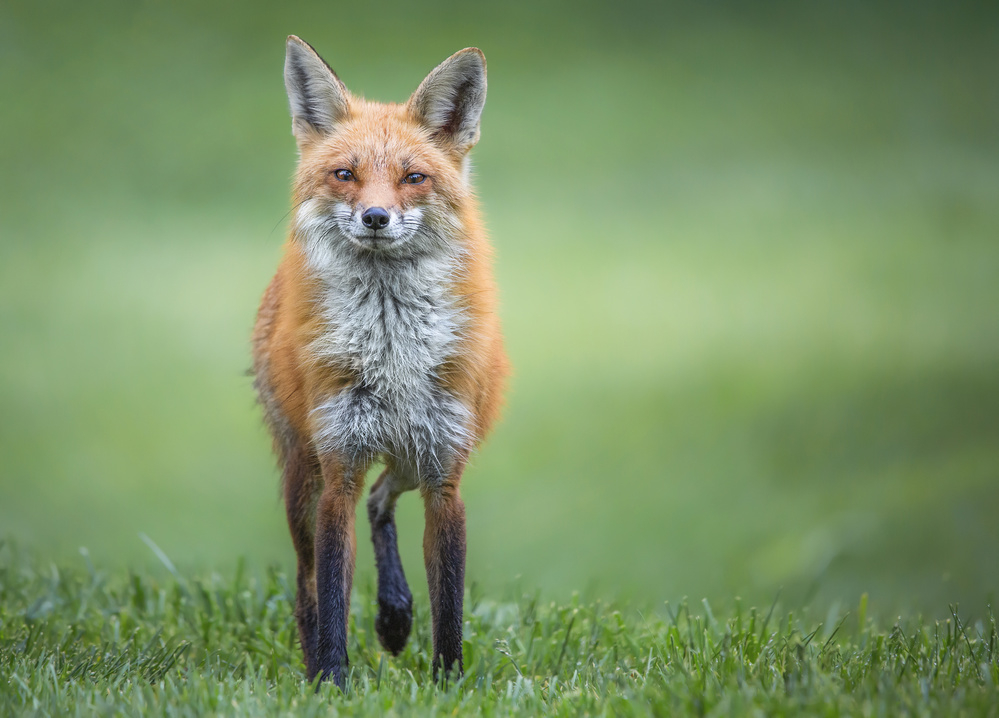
[{"x": 444, "y": 555}]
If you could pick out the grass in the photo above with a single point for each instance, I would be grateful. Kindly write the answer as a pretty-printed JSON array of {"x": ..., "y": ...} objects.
[{"x": 76, "y": 640}]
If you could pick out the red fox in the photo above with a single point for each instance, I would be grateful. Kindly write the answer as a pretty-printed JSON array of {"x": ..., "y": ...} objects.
[{"x": 378, "y": 339}]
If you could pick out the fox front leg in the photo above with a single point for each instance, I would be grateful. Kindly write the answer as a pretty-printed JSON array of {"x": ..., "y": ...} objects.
[
  {"x": 444, "y": 555},
  {"x": 335, "y": 552}
]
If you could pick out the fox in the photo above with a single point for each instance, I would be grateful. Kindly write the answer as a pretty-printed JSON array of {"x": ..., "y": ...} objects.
[{"x": 377, "y": 340}]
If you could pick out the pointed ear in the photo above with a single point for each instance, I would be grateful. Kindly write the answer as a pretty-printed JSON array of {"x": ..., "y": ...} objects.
[
  {"x": 317, "y": 98},
  {"x": 449, "y": 101}
]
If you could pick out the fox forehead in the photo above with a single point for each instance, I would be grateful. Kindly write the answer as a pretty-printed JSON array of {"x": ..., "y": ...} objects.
[
  {"x": 377, "y": 135},
  {"x": 380, "y": 144}
]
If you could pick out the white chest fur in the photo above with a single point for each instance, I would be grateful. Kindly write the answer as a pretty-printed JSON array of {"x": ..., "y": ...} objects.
[{"x": 394, "y": 320}]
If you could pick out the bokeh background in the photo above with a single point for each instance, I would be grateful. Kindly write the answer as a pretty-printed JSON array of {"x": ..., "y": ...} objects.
[{"x": 749, "y": 259}]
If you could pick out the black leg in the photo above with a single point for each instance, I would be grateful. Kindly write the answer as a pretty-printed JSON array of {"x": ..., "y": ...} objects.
[
  {"x": 395, "y": 602},
  {"x": 335, "y": 568},
  {"x": 444, "y": 555}
]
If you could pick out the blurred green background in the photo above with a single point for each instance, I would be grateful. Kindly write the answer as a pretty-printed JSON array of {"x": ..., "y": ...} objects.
[{"x": 749, "y": 260}]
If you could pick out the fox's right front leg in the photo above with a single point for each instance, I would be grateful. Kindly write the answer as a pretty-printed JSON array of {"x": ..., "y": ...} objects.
[{"x": 335, "y": 551}]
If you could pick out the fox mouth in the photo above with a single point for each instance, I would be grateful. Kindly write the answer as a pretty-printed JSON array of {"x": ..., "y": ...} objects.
[
  {"x": 374, "y": 241},
  {"x": 338, "y": 224}
]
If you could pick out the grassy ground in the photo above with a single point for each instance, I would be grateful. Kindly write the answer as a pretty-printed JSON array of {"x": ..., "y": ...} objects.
[{"x": 75, "y": 640}]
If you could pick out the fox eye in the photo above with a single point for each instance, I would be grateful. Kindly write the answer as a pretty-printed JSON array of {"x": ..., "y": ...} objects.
[
  {"x": 414, "y": 178},
  {"x": 344, "y": 175}
]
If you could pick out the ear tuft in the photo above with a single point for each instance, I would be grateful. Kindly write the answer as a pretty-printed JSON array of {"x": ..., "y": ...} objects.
[
  {"x": 317, "y": 98},
  {"x": 449, "y": 101}
]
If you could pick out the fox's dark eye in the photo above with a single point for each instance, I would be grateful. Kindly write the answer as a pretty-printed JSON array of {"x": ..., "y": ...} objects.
[
  {"x": 414, "y": 178},
  {"x": 344, "y": 175}
]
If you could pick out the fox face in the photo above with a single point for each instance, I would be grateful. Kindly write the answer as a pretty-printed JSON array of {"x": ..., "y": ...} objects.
[{"x": 383, "y": 178}]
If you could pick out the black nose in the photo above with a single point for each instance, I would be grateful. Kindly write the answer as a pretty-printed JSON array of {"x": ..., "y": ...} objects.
[{"x": 375, "y": 218}]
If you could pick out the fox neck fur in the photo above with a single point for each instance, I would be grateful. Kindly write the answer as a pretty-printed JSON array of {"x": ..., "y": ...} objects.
[{"x": 392, "y": 320}]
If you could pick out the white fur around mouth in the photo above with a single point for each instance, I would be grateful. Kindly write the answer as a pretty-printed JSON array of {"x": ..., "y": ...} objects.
[
  {"x": 327, "y": 229},
  {"x": 375, "y": 242}
]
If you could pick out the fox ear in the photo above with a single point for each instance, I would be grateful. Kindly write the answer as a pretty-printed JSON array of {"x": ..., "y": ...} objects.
[
  {"x": 317, "y": 97},
  {"x": 449, "y": 101}
]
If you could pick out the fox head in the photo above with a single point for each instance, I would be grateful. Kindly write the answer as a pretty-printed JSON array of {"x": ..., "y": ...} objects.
[{"x": 383, "y": 179}]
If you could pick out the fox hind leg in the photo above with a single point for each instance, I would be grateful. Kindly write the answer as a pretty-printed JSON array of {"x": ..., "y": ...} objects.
[
  {"x": 395, "y": 602},
  {"x": 301, "y": 483}
]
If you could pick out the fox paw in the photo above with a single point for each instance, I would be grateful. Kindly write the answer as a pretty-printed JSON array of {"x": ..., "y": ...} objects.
[{"x": 393, "y": 624}]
